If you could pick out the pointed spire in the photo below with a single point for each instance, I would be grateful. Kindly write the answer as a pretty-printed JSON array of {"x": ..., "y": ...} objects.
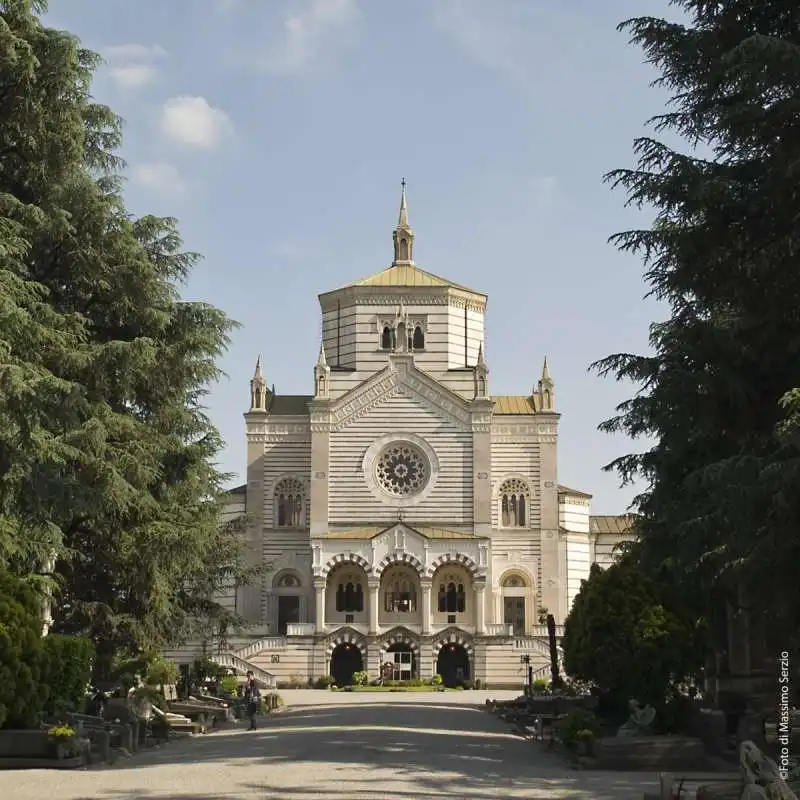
[
  {"x": 546, "y": 372},
  {"x": 258, "y": 388},
  {"x": 403, "y": 236},
  {"x": 481, "y": 359},
  {"x": 546, "y": 392},
  {"x": 322, "y": 375},
  {"x": 402, "y": 221}
]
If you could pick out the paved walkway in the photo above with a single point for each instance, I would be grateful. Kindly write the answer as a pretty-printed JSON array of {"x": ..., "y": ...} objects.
[{"x": 344, "y": 746}]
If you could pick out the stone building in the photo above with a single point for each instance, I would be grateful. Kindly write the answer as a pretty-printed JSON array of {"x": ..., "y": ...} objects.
[{"x": 410, "y": 517}]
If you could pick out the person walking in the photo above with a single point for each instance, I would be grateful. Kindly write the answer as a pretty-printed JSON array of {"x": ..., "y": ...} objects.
[{"x": 252, "y": 695}]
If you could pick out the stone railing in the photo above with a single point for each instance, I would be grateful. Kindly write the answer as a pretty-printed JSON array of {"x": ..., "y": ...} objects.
[
  {"x": 267, "y": 643},
  {"x": 231, "y": 661},
  {"x": 499, "y": 629},
  {"x": 300, "y": 629},
  {"x": 541, "y": 631}
]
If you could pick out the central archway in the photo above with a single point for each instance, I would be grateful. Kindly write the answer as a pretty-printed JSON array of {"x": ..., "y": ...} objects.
[
  {"x": 346, "y": 659},
  {"x": 453, "y": 664},
  {"x": 403, "y": 661}
]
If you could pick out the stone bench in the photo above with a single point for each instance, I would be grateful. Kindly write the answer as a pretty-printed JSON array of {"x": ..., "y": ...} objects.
[
  {"x": 33, "y": 748},
  {"x": 650, "y": 754},
  {"x": 672, "y": 785}
]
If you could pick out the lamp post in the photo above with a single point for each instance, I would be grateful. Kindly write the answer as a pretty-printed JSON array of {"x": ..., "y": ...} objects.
[{"x": 526, "y": 660}]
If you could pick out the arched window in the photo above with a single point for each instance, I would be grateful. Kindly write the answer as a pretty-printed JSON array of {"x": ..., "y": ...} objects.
[
  {"x": 514, "y": 503},
  {"x": 400, "y": 594},
  {"x": 386, "y": 338},
  {"x": 286, "y": 580},
  {"x": 403, "y": 249},
  {"x": 289, "y": 496},
  {"x": 350, "y": 595},
  {"x": 418, "y": 341}
]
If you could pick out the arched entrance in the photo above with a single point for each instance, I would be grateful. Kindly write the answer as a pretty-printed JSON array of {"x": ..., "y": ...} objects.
[
  {"x": 403, "y": 661},
  {"x": 453, "y": 664},
  {"x": 345, "y": 660}
]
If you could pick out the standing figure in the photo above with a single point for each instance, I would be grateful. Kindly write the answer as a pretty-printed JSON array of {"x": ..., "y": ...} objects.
[{"x": 252, "y": 695}]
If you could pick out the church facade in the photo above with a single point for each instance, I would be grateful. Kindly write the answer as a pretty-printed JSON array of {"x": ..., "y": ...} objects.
[{"x": 413, "y": 522}]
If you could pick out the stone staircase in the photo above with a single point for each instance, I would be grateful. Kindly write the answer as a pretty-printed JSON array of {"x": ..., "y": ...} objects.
[{"x": 265, "y": 679}]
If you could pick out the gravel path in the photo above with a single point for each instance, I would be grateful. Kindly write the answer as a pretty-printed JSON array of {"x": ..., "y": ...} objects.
[{"x": 343, "y": 746}]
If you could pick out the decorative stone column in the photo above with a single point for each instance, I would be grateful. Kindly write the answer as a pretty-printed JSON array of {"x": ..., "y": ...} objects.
[
  {"x": 481, "y": 409},
  {"x": 320, "y": 457},
  {"x": 374, "y": 601},
  {"x": 319, "y": 588},
  {"x": 426, "y": 607},
  {"x": 480, "y": 608}
]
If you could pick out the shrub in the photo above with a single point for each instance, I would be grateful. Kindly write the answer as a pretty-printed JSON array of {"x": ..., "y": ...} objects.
[
  {"x": 360, "y": 678},
  {"x": 324, "y": 682},
  {"x": 161, "y": 672},
  {"x": 576, "y": 726},
  {"x": 620, "y": 637},
  {"x": 477, "y": 683},
  {"x": 437, "y": 680},
  {"x": 66, "y": 671},
  {"x": 229, "y": 684},
  {"x": 540, "y": 686},
  {"x": 22, "y": 693}
]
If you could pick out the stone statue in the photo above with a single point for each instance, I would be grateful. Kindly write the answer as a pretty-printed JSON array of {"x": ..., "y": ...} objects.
[
  {"x": 762, "y": 778},
  {"x": 640, "y": 720}
]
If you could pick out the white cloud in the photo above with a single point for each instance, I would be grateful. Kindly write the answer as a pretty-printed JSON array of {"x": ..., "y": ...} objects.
[
  {"x": 132, "y": 65},
  {"x": 134, "y": 76},
  {"x": 193, "y": 121},
  {"x": 158, "y": 176},
  {"x": 310, "y": 32}
]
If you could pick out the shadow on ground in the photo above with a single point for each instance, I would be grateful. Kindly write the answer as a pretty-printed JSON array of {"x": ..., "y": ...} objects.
[{"x": 377, "y": 752}]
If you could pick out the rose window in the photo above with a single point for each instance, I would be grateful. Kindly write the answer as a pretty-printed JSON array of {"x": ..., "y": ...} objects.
[{"x": 402, "y": 470}]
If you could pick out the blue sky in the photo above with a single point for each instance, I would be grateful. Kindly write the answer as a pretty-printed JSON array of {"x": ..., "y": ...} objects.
[{"x": 277, "y": 131}]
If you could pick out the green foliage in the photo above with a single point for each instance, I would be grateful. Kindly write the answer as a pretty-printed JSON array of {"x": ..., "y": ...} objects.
[
  {"x": 621, "y": 638},
  {"x": 437, "y": 680},
  {"x": 67, "y": 670},
  {"x": 107, "y": 455},
  {"x": 229, "y": 684},
  {"x": 718, "y": 396},
  {"x": 541, "y": 686},
  {"x": 579, "y": 725},
  {"x": 360, "y": 678},
  {"x": 203, "y": 669},
  {"x": 161, "y": 672},
  {"x": 22, "y": 692},
  {"x": 324, "y": 682}
]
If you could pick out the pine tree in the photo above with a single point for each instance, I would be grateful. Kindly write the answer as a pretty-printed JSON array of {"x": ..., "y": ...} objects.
[
  {"x": 132, "y": 497},
  {"x": 721, "y": 509}
]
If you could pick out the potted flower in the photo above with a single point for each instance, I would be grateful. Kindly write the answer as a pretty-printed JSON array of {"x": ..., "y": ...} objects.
[
  {"x": 63, "y": 741},
  {"x": 585, "y": 740}
]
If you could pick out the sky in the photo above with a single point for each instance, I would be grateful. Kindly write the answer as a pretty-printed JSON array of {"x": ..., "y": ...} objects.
[{"x": 277, "y": 132}]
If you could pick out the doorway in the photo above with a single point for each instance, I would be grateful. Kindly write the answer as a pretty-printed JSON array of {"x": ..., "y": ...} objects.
[
  {"x": 403, "y": 661},
  {"x": 453, "y": 665},
  {"x": 514, "y": 614},
  {"x": 288, "y": 612},
  {"x": 346, "y": 659}
]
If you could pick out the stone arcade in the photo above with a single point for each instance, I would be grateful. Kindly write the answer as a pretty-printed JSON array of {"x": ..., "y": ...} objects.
[{"x": 410, "y": 517}]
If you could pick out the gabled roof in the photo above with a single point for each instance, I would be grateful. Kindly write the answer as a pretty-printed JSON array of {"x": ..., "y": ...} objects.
[
  {"x": 612, "y": 523},
  {"x": 427, "y": 532},
  {"x": 513, "y": 404},
  {"x": 289, "y": 405},
  {"x": 573, "y": 492},
  {"x": 408, "y": 275}
]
